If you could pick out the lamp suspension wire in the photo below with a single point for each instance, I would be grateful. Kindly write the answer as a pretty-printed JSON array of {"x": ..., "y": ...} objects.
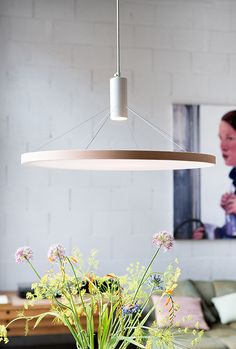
[
  {"x": 104, "y": 120},
  {"x": 116, "y": 159},
  {"x": 116, "y": 74},
  {"x": 157, "y": 129},
  {"x": 71, "y": 129},
  {"x": 117, "y": 38}
]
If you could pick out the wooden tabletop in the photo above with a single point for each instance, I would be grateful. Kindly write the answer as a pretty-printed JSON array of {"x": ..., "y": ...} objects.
[
  {"x": 47, "y": 326},
  {"x": 15, "y": 304}
]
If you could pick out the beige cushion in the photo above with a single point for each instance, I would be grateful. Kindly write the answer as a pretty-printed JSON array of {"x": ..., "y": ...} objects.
[{"x": 226, "y": 307}]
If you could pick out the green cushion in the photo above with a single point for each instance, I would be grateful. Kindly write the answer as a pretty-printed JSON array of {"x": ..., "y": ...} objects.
[
  {"x": 220, "y": 331},
  {"x": 207, "y": 342},
  {"x": 233, "y": 325},
  {"x": 210, "y": 343},
  {"x": 206, "y": 288},
  {"x": 207, "y": 292},
  {"x": 186, "y": 288},
  {"x": 223, "y": 287},
  {"x": 221, "y": 336}
]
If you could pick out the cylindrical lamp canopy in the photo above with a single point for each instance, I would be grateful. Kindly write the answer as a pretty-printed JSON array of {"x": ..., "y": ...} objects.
[{"x": 118, "y": 98}]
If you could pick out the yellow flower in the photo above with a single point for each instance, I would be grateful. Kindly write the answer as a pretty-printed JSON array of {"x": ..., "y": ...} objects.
[
  {"x": 3, "y": 334},
  {"x": 74, "y": 260}
]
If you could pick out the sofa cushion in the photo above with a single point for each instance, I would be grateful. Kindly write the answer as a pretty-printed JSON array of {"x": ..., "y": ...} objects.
[
  {"x": 186, "y": 288},
  {"x": 220, "y": 331},
  {"x": 233, "y": 325},
  {"x": 207, "y": 342},
  {"x": 223, "y": 287},
  {"x": 223, "y": 334},
  {"x": 188, "y": 314},
  {"x": 219, "y": 337},
  {"x": 230, "y": 341},
  {"x": 226, "y": 307},
  {"x": 204, "y": 290},
  {"x": 210, "y": 343}
]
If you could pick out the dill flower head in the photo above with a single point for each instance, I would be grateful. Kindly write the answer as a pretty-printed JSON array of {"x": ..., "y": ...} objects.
[
  {"x": 163, "y": 239},
  {"x": 56, "y": 252},
  {"x": 23, "y": 253},
  {"x": 3, "y": 334}
]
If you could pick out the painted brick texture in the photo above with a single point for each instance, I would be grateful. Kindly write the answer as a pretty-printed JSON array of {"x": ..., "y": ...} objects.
[{"x": 56, "y": 60}]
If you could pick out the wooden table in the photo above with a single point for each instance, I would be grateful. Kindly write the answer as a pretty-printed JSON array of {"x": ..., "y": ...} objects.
[{"x": 15, "y": 305}]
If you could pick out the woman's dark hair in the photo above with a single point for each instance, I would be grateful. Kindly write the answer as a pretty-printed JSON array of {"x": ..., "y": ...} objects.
[{"x": 230, "y": 118}]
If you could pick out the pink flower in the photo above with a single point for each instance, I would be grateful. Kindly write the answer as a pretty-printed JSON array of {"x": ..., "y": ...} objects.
[
  {"x": 56, "y": 252},
  {"x": 163, "y": 239},
  {"x": 23, "y": 253}
]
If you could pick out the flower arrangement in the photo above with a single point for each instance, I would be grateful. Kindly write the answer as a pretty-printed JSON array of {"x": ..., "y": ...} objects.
[{"x": 121, "y": 304}]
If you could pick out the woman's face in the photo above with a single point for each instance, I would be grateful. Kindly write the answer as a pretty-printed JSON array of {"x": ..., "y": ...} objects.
[{"x": 227, "y": 135}]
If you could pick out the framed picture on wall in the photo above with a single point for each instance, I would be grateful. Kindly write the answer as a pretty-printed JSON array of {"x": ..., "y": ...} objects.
[{"x": 205, "y": 200}]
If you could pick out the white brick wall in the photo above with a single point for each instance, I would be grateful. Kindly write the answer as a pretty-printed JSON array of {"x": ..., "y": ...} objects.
[
  {"x": 31, "y": 30},
  {"x": 210, "y": 63},
  {"x": 51, "y": 9},
  {"x": 152, "y": 37},
  {"x": 12, "y": 8},
  {"x": 70, "y": 32},
  {"x": 56, "y": 60}
]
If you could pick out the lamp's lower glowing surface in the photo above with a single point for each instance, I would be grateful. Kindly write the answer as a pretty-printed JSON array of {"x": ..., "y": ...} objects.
[{"x": 115, "y": 160}]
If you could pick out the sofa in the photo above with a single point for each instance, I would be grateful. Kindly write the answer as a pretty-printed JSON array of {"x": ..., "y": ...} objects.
[{"x": 219, "y": 336}]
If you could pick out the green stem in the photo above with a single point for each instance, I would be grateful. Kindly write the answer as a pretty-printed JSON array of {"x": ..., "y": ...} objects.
[
  {"x": 31, "y": 265},
  {"x": 80, "y": 335},
  {"x": 78, "y": 285},
  {"x": 144, "y": 274},
  {"x": 90, "y": 317}
]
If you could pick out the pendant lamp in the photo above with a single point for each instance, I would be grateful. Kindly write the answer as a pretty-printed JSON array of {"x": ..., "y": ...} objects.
[{"x": 115, "y": 160}]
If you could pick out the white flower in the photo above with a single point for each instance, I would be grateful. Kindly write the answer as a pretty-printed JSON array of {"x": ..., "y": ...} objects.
[
  {"x": 163, "y": 239},
  {"x": 23, "y": 253},
  {"x": 56, "y": 252}
]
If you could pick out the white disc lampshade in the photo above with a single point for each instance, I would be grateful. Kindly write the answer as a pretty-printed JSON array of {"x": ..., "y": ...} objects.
[{"x": 124, "y": 160}]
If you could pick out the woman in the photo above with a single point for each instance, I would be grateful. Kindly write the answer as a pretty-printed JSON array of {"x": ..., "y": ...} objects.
[{"x": 227, "y": 135}]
